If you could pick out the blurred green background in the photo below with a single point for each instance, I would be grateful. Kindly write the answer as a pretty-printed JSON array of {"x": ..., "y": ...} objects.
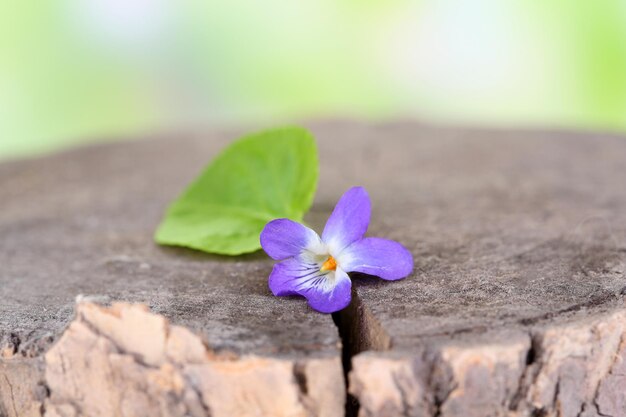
[{"x": 73, "y": 71}]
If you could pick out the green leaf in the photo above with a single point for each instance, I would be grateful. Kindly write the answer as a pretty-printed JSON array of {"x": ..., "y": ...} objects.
[{"x": 258, "y": 178}]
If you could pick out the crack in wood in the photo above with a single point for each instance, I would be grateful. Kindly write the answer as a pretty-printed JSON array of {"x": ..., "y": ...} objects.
[
  {"x": 359, "y": 331},
  {"x": 6, "y": 379}
]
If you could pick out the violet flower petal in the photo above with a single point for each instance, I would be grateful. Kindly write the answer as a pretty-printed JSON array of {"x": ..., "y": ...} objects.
[
  {"x": 332, "y": 295},
  {"x": 287, "y": 275},
  {"x": 284, "y": 238},
  {"x": 375, "y": 256},
  {"x": 348, "y": 221},
  {"x": 326, "y": 292}
]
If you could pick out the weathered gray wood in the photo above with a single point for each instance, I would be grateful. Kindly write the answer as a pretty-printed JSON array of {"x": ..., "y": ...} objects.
[
  {"x": 515, "y": 307},
  {"x": 80, "y": 224}
]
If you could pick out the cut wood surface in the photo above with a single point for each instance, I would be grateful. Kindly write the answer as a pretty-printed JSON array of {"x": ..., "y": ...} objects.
[{"x": 515, "y": 307}]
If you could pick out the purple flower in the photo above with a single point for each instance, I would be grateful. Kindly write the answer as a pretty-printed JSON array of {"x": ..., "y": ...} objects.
[{"x": 317, "y": 268}]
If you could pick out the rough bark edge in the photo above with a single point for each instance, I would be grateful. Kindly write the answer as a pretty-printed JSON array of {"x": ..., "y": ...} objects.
[
  {"x": 124, "y": 360},
  {"x": 22, "y": 388},
  {"x": 572, "y": 369}
]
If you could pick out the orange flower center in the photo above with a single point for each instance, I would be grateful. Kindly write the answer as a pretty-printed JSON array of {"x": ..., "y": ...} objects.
[{"x": 329, "y": 265}]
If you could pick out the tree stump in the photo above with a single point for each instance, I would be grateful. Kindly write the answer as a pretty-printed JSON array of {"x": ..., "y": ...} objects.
[{"x": 515, "y": 307}]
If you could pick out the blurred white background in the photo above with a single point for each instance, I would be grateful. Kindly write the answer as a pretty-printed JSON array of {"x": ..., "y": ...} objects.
[{"x": 73, "y": 71}]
